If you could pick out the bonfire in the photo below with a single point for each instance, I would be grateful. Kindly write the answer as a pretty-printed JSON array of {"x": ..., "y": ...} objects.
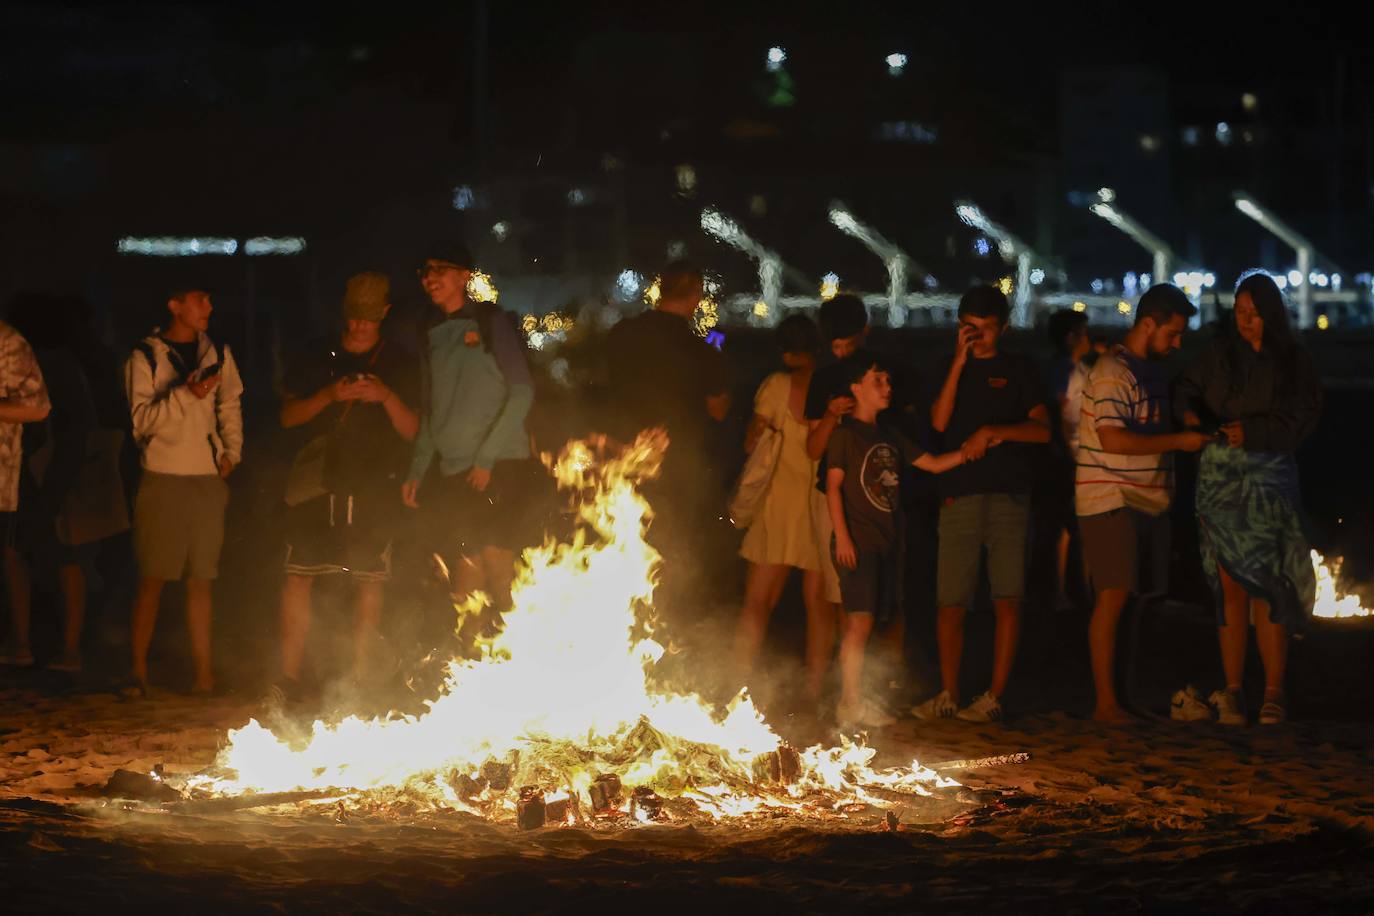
[{"x": 559, "y": 719}]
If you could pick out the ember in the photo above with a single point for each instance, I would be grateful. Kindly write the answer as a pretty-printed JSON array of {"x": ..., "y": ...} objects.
[{"x": 608, "y": 736}]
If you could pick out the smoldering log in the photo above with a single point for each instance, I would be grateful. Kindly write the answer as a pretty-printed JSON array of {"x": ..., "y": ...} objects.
[
  {"x": 782, "y": 766},
  {"x": 975, "y": 763},
  {"x": 648, "y": 801},
  {"x": 604, "y": 792},
  {"x": 530, "y": 809}
]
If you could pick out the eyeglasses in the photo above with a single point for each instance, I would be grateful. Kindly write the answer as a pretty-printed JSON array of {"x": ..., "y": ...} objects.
[{"x": 428, "y": 269}]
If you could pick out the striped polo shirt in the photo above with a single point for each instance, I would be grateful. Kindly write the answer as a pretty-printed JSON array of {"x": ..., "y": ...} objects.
[{"x": 1128, "y": 393}]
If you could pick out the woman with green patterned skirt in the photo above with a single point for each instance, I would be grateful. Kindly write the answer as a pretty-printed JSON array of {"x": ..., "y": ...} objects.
[{"x": 1258, "y": 388}]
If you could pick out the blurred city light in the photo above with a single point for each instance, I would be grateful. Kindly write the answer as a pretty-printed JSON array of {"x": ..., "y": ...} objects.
[
  {"x": 830, "y": 286},
  {"x": 463, "y": 197},
  {"x": 896, "y": 63},
  {"x": 167, "y": 246},
  {"x": 266, "y": 245},
  {"x": 777, "y": 56}
]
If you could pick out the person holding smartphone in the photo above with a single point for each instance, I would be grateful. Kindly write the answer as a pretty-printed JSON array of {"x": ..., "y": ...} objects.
[
  {"x": 183, "y": 393},
  {"x": 988, "y": 397}
]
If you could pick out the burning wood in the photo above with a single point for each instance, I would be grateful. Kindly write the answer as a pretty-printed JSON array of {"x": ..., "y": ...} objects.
[{"x": 501, "y": 732}]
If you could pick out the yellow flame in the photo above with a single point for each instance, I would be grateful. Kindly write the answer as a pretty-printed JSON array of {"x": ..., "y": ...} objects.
[
  {"x": 565, "y": 689},
  {"x": 481, "y": 289},
  {"x": 1332, "y": 601},
  {"x": 706, "y": 316}
]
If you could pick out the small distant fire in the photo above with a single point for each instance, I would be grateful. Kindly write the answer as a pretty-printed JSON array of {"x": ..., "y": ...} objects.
[
  {"x": 559, "y": 721},
  {"x": 1332, "y": 601}
]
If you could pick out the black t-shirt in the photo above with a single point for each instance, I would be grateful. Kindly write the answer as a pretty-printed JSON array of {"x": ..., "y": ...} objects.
[
  {"x": 365, "y": 452},
  {"x": 873, "y": 458},
  {"x": 662, "y": 373},
  {"x": 996, "y": 391},
  {"x": 828, "y": 382}
]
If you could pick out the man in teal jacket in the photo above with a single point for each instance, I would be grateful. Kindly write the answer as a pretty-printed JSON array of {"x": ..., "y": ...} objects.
[{"x": 476, "y": 393}]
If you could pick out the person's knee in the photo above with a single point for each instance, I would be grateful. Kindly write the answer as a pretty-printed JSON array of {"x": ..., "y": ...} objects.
[{"x": 199, "y": 588}]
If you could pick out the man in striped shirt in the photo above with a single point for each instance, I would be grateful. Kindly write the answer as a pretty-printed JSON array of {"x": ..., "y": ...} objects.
[{"x": 1124, "y": 480}]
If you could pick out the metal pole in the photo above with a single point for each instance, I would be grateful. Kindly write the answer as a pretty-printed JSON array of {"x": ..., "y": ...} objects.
[
  {"x": 1305, "y": 289},
  {"x": 1020, "y": 311}
]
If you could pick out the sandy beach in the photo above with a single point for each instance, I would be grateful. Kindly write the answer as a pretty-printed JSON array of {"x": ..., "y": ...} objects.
[{"x": 1162, "y": 816}]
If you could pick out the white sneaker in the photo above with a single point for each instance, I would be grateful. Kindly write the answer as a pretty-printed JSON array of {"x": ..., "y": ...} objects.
[
  {"x": 984, "y": 708},
  {"x": 940, "y": 706},
  {"x": 1228, "y": 707},
  {"x": 1273, "y": 713},
  {"x": 864, "y": 713},
  {"x": 1188, "y": 706}
]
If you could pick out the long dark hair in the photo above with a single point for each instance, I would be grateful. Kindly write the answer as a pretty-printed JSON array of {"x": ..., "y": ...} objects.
[{"x": 1278, "y": 338}]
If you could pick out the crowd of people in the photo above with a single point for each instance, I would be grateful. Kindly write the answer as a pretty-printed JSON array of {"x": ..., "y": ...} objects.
[{"x": 440, "y": 448}]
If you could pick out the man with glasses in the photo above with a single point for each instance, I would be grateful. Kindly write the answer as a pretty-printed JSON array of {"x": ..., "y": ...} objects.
[{"x": 476, "y": 392}]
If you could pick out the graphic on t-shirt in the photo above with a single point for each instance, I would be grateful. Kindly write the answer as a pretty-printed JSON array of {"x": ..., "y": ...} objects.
[{"x": 880, "y": 476}]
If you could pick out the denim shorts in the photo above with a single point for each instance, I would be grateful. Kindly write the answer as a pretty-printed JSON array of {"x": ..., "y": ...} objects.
[{"x": 997, "y": 522}]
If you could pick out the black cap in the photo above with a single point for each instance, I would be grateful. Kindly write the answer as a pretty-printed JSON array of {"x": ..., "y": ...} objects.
[{"x": 451, "y": 252}]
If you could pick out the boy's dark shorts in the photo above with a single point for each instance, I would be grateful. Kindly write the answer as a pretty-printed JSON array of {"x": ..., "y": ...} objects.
[
  {"x": 343, "y": 533},
  {"x": 512, "y": 513},
  {"x": 873, "y": 586},
  {"x": 1126, "y": 549}
]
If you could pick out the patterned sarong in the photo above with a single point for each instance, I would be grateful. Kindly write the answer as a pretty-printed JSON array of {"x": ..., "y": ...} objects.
[{"x": 1248, "y": 522}]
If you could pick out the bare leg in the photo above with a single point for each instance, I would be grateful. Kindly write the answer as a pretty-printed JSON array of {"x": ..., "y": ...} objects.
[
  {"x": 198, "y": 606},
  {"x": 821, "y": 620},
  {"x": 73, "y": 580},
  {"x": 17, "y": 578},
  {"x": 762, "y": 589},
  {"x": 1273, "y": 649},
  {"x": 1102, "y": 649},
  {"x": 852, "y": 647},
  {"x": 367, "y": 615},
  {"x": 1061, "y": 557},
  {"x": 1235, "y": 634},
  {"x": 498, "y": 568},
  {"x": 144, "y": 620},
  {"x": 295, "y": 624},
  {"x": 1004, "y": 640},
  {"x": 949, "y": 633}
]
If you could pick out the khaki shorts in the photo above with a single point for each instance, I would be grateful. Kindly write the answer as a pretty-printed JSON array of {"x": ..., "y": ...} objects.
[
  {"x": 968, "y": 524},
  {"x": 179, "y": 525}
]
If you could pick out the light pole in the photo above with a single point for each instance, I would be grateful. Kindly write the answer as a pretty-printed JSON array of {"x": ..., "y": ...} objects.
[
  {"x": 1162, "y": 256},
  {"x": 1301, "y": 245},
  {"x": 771, "y": 266},
  {"x": 896, "y": 261},
  {"x": 1013, "y": 250}
]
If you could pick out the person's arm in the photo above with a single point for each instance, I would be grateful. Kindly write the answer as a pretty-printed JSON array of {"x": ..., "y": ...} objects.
[
  {"x": 1120, "y": 441},
  {"x": 508, "y": 349},
  {"x": 300, "y": 411},
  {"x": 845, "y": 554},
  {"x": 19, "y": 412},
  {"x": 150, "y": 412},
  {"x": 819, "y": 431},
  {"x": 938, "y": 464},
  {"x": 228, "y": 411},
  {"x": 1107, "y": 405},
  {"x": 1035, "y": 429},
  {"x": 404, "y": 421},
  {"x": 942, "y": 409}
]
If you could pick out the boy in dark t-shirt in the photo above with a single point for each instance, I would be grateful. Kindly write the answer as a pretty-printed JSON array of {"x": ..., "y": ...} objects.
[
  {"x": 863, "y": 493},
  {"x": 988, "y": 398}
]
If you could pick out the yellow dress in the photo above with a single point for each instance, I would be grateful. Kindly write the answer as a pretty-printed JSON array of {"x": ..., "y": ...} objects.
[{"x": 783, "y": 531}]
